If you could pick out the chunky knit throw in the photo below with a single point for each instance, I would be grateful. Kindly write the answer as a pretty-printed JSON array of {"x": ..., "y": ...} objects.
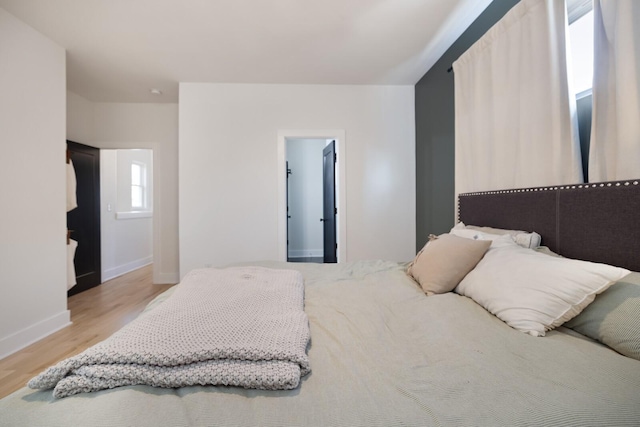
[{"x": 242, "y": 326}]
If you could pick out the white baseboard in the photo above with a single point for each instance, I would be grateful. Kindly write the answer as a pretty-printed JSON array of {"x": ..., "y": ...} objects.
[
  {"x": 304, "y": 253},
  {"x": 114, "y": 272},
  {"x": 27, "y": 336}
]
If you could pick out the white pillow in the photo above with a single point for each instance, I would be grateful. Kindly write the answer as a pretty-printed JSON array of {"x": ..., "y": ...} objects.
[
  {"x": 473, "y": 234},
  {"x": 533, "y": 292},
  {"x": 522, "y": 238},
  {"x": 495, "y": 239}
]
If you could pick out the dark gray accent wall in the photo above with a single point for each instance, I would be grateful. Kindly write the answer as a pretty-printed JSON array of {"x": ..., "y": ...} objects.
[{"x": 435, "y": 143}]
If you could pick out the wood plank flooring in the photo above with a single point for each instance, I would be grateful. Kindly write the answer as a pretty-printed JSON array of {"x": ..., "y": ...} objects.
[{"x": 96, "y": 314}]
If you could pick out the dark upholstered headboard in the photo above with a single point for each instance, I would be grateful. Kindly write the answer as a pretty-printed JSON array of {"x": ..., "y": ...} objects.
[{"x": 594, "y": 222}]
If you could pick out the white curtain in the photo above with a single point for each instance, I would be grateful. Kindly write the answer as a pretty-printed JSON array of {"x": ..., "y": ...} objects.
[
  {"x": 515, "y": 115},
  {"x": 615, "y": 132}
]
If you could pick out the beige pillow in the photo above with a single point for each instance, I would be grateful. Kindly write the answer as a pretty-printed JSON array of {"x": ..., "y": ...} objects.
[{"x": 444, "y": 261}]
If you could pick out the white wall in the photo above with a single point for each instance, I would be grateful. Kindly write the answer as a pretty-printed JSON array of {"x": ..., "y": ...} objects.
[
  {"x": 304, "y": 157},
  {"x": 229, "y": 177},
  {"x": 126, "y": 242},
  {"x": 33, "y": 261},
  {"x": 80, "y": 118},
  {"x": 154, "y": 126}
]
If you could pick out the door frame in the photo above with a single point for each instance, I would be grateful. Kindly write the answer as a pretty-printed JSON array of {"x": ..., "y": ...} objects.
[
  {"x": 341, "y": 197},
  {"x": 159, "y": 277},
  {"x": 108, "y": 248}
]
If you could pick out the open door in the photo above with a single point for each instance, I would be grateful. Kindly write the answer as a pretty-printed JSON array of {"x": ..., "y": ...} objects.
[
  {"x": 288, "y": 213},
  {"x": 329, "y": 210},
  {"x": 84, "y": 221}
]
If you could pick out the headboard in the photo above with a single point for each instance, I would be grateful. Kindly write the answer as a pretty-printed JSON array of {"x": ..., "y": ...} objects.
[{"x": 594, "y": 222}]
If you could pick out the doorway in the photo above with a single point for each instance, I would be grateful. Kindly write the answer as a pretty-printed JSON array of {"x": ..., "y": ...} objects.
[
  {"x": 308, "y": 233},
  {"x": 127, "y": 210},
  {"x": 112, "y": 222}
]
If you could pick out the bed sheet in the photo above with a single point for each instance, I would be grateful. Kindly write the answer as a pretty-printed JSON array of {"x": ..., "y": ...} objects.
[{"x": 384, "y": 354}]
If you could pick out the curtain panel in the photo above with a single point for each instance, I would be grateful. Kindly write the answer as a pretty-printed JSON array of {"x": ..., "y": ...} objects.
[
  {"x": 614, "y": 153},
  {"x": 515, "y": 115}
]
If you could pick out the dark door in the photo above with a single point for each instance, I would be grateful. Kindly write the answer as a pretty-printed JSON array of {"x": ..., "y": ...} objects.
[
  {"x": 84, "y": 221},
  {"x": 288, "y": 214},
  {"x": 329, "y": 202}
]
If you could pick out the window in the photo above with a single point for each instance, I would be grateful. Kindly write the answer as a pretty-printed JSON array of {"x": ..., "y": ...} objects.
[
  {"x": 138, "y": 186},
  {"x": 581, "y": 40}
]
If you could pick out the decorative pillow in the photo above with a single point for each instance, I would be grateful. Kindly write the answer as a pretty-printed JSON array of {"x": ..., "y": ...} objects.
[
  {"x": 533, "y": 292},
  {"x": 614, "y": 317},
  {"x": 522, "y": 238},
  {"x": 495, "y": 239},
  {"x": 444, "y": 261},
  {"x": 474, "y": 234}
]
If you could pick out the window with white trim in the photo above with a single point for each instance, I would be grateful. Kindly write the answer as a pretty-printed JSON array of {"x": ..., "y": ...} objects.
[{"x": 138, "y": 186}]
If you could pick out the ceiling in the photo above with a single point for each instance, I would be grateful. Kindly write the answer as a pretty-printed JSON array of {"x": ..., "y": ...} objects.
[{"x": 117, "y": 50}]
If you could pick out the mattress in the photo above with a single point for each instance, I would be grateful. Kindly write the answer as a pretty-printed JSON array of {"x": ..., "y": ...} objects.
[{"x": 382, "y": 353}]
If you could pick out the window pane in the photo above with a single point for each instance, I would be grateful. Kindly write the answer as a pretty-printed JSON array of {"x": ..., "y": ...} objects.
[
  {"x": 136, "y": 174},
  {"x": 136, "y": 197},
  {"x": 581, "y": 39}
]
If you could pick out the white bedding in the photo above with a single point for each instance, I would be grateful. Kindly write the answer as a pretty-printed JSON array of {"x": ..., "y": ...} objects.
[{"x": 384, "y": 354}]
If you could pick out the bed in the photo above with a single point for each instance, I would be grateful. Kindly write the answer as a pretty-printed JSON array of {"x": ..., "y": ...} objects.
[{"x": 383, "y": 353}]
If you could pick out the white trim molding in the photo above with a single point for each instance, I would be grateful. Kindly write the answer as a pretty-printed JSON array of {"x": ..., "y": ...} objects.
[
  {"x": 27, "y": 336},
  {"x": 134, "y": 214},
  {"x": 114, "y": 272}
]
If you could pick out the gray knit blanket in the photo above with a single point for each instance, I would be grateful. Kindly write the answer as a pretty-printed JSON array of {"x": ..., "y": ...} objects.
[{"x": 241, "y": 326}]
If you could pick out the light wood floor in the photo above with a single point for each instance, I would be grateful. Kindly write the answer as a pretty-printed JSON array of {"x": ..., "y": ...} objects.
[{"x": 96, "y": 314}]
